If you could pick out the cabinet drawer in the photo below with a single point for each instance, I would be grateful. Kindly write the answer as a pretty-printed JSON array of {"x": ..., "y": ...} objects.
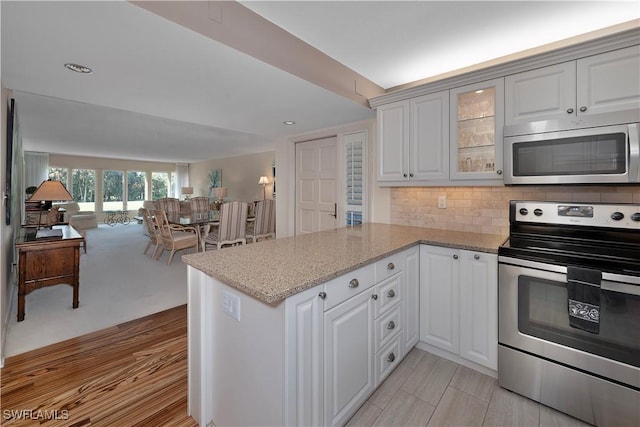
[
  {"x": 387, "y": 359},
  {"x": 387, "y": 267},
  {"x": 344, "y": 287},
  {"x": 387, "y": 326},
  {"x": 388, "y": 293}
]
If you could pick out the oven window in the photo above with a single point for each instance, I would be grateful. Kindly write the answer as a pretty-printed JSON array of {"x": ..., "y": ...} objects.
[
  {"x": 543, "y": 313},
  {"x": 586, "y": 155}
]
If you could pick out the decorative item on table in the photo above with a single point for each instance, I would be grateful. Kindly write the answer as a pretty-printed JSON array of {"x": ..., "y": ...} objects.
[
  {"x": 219, "y": 193},
  {"x": 50, "y": 191},
  {"x": 264, "y": 181},
  {"x": 187, "y": 192}
]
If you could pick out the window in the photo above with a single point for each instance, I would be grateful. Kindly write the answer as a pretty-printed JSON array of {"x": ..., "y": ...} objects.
[
  {"x": 355, "y": 191},
  {"x": 136, "y": 184},
  {"x": 112, "y": 190},
  {"x": 160, "y": 185},
  {"x": 84, "y": 188},
  {"x": 60, "y": 174}
]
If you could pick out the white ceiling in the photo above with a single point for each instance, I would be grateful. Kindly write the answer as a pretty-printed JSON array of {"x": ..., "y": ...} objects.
[{"x": 163, "y": 92}]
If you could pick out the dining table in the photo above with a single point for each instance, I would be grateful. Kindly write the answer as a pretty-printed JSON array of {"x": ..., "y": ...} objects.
[{"x": 199, "y": 220}]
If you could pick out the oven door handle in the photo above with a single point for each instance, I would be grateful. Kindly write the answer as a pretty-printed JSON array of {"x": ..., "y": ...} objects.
[{"x": 610, "y": 281}]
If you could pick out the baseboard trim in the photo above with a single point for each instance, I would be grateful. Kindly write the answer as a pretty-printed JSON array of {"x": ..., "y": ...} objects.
[{"x": 455, "y": 358}]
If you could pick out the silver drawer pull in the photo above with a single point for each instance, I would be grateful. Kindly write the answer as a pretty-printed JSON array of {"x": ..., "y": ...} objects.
[
  {"x": 322, "y": 295},
  {"x": 354, "y": 283},
  {"x": 391, "y": 266},
  {"x": 375, "y": 297},
  {"x": 476, "y": 256},
  {"x": 391, "y": 293},
  {"x": 391, "y": 325},
  {"x": 455, "y": 257},
  {"x": 391, "y": 358}
]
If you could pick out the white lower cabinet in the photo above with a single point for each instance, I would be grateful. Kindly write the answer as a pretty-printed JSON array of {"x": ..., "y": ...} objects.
[
  {"x": 345, "y": 337},
  {"x": 459, "y": 303}
]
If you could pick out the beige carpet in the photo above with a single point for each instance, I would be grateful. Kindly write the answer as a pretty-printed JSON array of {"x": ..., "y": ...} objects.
[{"x": 117, "y": 283}]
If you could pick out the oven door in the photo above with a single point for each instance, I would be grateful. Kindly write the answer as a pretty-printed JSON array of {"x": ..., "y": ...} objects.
[{"x": 533, "y": 318}]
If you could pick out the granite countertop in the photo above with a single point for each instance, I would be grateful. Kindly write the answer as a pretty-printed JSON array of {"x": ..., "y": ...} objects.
[{"x": 273, "y": 270}]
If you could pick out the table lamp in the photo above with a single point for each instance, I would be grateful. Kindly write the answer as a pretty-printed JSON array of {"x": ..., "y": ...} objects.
[
  {"x": 219, "y": 193},
  {"x": 264, "y": 181},
  {"x": 49, "y": 191},
  {"x": 187, "y": 191}
]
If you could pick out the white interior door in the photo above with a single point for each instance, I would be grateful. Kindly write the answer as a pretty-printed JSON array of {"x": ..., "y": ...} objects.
[{"x": 316, "y": 185}]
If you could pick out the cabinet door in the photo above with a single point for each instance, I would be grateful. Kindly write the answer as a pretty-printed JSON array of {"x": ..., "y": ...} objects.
[
  {"x": 479, "y": 308},
  {"x": 393, "y": 140},
  {"x": 439, "y": 277},
  {"x": 411, "y": 299},
  {"x": 348, "y": 356},
  {"x": 609, "y": 82},
  {"x": 541, "y": 94},
  {"x": 304, "y": 359},
  {"x": 429, "y": 141},
  {"x": 477, "y": 119}
]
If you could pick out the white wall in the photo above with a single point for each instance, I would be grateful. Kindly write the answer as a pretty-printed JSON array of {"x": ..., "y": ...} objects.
[{"x": 240, "y": 176}]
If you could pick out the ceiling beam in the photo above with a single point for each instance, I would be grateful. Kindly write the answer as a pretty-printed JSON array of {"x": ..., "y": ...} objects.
[{"x": 238, "y": 27}]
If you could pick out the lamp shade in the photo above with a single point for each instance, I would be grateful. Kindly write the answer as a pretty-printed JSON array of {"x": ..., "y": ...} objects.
[
  {"x": 263, "y": 180},
  {"x": 187, "y": 190},
  {"x": 51, "y": 191},
  {"x": 219, "y": 192}
]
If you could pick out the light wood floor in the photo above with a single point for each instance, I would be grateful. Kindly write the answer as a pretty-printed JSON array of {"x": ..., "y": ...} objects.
[
  {"x": 135, "y": 374},
  {"x": 132, "y": 374}
]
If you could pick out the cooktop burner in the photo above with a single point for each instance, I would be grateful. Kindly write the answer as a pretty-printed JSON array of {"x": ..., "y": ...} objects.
[{"x": 602, "y": 236}]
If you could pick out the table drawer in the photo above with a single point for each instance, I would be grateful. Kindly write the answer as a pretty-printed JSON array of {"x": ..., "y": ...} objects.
[{"x": 348, "y": 285}]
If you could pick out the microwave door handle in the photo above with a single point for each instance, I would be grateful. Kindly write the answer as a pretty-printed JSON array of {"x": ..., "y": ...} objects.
[{"x": 634, "y": 152}]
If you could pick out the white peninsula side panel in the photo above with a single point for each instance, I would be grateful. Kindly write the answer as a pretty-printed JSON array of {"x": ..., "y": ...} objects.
[{"x": 236, "y": 367}]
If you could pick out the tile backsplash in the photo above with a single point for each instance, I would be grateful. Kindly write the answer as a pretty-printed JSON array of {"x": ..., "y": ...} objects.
[{"x": 486, "y": 209}]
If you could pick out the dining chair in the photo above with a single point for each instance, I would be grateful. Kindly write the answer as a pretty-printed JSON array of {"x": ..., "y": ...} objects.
[
  {"x": 152, "y": 232},
  {"x": 264, "y": 225},
  {"x": 174, "y": 237},
  {"x": 232, "y": 226},
  {"x": 170, "y": 205},
  {"x": 199, "y": 204}
]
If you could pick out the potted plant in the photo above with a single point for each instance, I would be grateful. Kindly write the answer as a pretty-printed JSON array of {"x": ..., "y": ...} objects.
[{"x": 30, "y": 190}]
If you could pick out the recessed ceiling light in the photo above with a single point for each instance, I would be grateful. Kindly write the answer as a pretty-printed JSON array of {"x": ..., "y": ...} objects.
[
  {"x": 289, "y": 122},
  {"x": 78, "y": 68}
]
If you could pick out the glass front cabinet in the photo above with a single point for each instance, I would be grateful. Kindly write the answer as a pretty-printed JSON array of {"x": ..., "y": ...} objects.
[{"x": 476, "y": 120}]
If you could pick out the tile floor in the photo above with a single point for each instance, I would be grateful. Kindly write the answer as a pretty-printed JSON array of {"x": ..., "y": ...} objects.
[{"x": 427, "y": 390}]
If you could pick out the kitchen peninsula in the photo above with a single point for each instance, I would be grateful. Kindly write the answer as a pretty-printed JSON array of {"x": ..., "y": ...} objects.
[{"x": 301, "y": 330}]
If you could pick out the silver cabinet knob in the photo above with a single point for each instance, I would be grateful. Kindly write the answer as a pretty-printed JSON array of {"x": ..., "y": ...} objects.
[
  {"x": 322, "y": 295},
  {"x": 391, "y": 293},
  {"x": 354, "y": 283},
  {"x": 569, "y": 110},
  {"x": 583, "y": 109},
  {"x": 499, "y": 172},
  {"x": 390, "y": 266},
  {"x": 476, "y": 256},
  {"x": 391, "y": 325},
  {"x": 405, "y": 175},
  {"x": 391, "y": 357},
  {"x": 455, "y": 257},
  {"x": 375, "y": 297},
  {"x": 411, "y": 175}
]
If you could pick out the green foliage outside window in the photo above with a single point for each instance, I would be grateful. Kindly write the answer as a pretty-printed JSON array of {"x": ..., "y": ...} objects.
[{"x": 84, "y": 185}]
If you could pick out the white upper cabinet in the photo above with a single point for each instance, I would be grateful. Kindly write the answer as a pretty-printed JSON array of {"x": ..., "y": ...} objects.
[
  {"x": 601, "y": 83},
  {"x": 477, "y": 119},
  {"x": 545, "y": 93},
  {"x": 609, "y": 82},
  {"x": 393, "y": 137},
  {"x": 413, "y": 139}
]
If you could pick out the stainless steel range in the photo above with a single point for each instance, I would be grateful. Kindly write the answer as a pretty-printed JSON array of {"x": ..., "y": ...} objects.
[{"x": 569, "y": 309}]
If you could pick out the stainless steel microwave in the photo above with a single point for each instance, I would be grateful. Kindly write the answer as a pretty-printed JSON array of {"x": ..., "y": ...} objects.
[{"x": 591, "y": 149}]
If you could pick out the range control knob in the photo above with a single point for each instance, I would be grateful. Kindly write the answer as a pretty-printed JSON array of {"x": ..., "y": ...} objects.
[
  {"x": 635, "y": 217},
  {"x": 537, "y": 212},
  {"x": 617, "y": 216},
  {"x": 523, "y": 211}
]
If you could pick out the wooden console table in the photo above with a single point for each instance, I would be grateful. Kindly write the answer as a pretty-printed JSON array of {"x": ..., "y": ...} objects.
[{"x": 47, "y": 262}]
